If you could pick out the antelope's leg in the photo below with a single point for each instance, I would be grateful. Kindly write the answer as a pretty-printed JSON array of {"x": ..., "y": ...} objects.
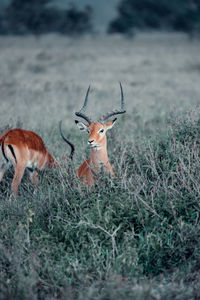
[
  {"x": 19, "y": 172},
  {"x": 33, "y": 175}
]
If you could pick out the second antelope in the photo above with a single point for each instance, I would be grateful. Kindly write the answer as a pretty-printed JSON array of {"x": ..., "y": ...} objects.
[
  {"x": 25, "y": 150},
  {"x": 88, "y": 170}
]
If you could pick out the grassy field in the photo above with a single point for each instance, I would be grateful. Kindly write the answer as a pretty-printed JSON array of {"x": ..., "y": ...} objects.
[{"x": 136, "y": 236}]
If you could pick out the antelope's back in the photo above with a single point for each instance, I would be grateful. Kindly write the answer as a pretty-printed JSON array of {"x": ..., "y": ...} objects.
[
  {"x": 23, "y": 137},
  {"x": 26, "y": 145}
]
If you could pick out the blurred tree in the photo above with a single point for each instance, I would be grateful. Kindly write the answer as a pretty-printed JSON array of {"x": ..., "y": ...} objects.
[
  {"x": 76, "y": 21},
  {"x": 38, "y": 16},
  {"x": 181, "y": 15},
  {"x": 2, "y": 19},
  {"x": 27, "y": 16}
]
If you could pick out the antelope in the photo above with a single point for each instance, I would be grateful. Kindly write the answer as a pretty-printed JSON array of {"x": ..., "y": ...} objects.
[
  {"x": 88, "y": 170},
  {"x": 25, "y": 150}
]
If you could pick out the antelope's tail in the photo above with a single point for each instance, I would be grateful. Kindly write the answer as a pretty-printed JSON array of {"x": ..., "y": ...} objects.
[
  {"x": 3, "y": 150},
  {"x": 67, "y": 141}
]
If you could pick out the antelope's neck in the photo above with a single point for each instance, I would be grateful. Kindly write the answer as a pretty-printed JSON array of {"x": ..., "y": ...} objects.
[{"x": 99, "y": 157}]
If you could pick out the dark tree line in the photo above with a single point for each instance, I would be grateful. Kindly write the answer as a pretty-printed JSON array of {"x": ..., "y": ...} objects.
[
  {"x": 38, "y": 16},
  {"x": 182, "y": 15}
]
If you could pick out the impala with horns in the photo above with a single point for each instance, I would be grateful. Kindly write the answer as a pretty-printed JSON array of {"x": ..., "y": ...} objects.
[
  {"x": 25, "y": 150},
  {"x": 89, "y": 169}
]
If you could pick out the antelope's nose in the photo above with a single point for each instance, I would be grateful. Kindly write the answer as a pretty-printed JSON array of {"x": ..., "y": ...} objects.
[{"x": 90, "y": 142}]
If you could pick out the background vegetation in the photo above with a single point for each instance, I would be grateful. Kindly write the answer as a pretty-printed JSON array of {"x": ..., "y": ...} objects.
[
  {"x": 134, "y": 236},
  {"x": 181, "y": 15},
  {"x": 38, "y": 17},
  {"x": 21, "y": 17}
]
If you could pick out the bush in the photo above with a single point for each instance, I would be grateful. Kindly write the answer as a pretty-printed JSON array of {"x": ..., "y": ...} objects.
[
  {"x": 38, "y": 17},
  {"x": 75, "y": 21},
  {"x": 183, "y": 15}
]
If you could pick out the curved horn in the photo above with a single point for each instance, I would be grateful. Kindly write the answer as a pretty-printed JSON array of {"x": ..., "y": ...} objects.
[
  {"x": 115, "y": 112},
  {"x": 81, "y": 113},
  {"x": 67, "y": 141}
]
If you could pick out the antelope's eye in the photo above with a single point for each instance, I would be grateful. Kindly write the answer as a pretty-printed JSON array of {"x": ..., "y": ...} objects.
[{"x": 101, "y": 131}]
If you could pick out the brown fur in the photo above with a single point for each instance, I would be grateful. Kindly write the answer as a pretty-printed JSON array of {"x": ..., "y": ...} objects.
[
  {"x": 88, "y": 170},
  {"x": 24, "y": 149}
]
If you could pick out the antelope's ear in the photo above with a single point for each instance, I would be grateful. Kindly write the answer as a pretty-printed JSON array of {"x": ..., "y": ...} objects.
[
  {"x": 110, "y": 124},
  {"x": 81, "y": 126}
]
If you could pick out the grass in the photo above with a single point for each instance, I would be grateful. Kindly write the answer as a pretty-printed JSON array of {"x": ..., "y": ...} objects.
[{"x": 135, "y": 236}]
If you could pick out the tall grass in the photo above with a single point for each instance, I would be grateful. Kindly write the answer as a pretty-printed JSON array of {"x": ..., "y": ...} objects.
[{"x": 135, "y": 236}]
